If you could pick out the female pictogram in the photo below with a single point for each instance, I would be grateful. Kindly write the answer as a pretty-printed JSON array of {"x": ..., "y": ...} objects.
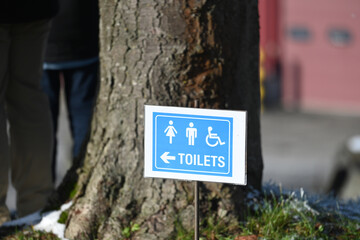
[{"x": 170, "y": 131}]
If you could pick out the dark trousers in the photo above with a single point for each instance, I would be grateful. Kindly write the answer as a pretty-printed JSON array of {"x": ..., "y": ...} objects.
[
  {"x": 28, "y": 148},
  {"x": 80, "y": 92}
]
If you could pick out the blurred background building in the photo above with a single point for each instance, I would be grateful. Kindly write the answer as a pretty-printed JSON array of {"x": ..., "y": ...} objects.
[
  {"x": 312, "y": 54},
  {"x": 310, "y": 75}
]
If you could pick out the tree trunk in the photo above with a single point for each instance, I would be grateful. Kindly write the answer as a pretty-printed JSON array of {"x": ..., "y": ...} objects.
[{"x": 164, "y": 53}]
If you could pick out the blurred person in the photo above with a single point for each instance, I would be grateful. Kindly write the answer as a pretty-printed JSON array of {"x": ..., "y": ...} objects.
[
  {"x": 26, "y": 147},
  {"x": 345, "y": 175},
  {"x": 72, "y": 55}
]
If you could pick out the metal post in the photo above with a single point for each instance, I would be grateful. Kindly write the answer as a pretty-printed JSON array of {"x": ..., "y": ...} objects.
[
  {"x": 196, "y": 236},
  {"x": 196, "y": 192}
]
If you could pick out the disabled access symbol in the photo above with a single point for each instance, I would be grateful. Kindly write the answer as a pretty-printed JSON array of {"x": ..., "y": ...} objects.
[{"x": 213, "y": 136}]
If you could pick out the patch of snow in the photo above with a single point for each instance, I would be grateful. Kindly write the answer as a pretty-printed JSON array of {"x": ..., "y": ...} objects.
[{"x": 49, "y": 223}]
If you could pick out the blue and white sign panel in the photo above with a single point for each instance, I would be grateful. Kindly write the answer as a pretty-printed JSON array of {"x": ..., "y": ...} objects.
[{"x": 195, "y": 144}]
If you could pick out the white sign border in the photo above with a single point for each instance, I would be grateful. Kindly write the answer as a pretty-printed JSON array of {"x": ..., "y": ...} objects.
[{"x": 239, "y": 144}]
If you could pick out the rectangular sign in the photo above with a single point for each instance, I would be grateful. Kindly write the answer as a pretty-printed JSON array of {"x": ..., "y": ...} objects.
[{"x": 195, "y": 144}]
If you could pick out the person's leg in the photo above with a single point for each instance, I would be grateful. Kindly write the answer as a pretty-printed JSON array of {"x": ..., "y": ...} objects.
[
  {"x": 31, "y": 134},
  {"x": 4, "y": 147},
  {"x": 80, "y": 89},
  {"x": 51, "y": 86}
]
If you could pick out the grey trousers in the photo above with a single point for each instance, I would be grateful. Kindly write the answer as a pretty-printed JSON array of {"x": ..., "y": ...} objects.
[{"x": 26, "y": 149}]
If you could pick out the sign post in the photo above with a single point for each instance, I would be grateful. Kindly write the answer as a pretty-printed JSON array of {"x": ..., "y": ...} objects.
[
  {"x": 195, "y": 144},
  {"x": 196, "y": 192}
]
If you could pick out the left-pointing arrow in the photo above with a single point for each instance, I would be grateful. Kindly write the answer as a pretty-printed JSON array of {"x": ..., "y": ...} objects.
[{"x": 165, "y": 157}]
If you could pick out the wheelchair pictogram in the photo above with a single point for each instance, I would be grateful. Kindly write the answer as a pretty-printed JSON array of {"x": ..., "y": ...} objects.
[{"x": 212, "y": 139}]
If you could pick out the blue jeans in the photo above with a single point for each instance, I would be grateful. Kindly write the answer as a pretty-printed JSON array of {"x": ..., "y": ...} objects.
[{"x": 80, "y": 93}]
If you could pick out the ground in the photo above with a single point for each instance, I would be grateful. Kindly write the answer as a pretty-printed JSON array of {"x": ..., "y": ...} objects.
[{"x": 299, "y": 148}]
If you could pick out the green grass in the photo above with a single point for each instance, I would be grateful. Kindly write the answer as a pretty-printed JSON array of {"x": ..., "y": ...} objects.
[
  {"x": 128, "y": 231},
  {"x": 289, "y": 217},
  {"x": 269, "y": 216},
  {"x": 279, "y": 216},
  {"x": 283, "y": 219},
  {"x": 63, "y": 217},
  {"x": 30, "y": 234}
]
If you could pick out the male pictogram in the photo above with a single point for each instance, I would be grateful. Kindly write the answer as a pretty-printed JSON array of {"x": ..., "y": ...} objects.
[{"x": 191, "y": 134}]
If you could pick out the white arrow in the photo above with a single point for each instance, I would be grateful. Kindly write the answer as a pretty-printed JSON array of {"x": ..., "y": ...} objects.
[{"x": 165, "y": 157}]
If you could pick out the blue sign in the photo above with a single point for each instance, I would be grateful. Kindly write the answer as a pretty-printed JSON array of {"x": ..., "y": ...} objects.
[
  {"x": 192, "y": 144},
  {"x": 195, "y": 144}
]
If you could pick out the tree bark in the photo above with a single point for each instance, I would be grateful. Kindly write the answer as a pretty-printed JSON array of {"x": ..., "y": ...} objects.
[{"x": 164, "y": 53}]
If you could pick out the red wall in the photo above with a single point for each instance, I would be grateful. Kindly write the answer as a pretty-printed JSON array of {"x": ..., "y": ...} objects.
[{"x": 317, "y": 74}]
